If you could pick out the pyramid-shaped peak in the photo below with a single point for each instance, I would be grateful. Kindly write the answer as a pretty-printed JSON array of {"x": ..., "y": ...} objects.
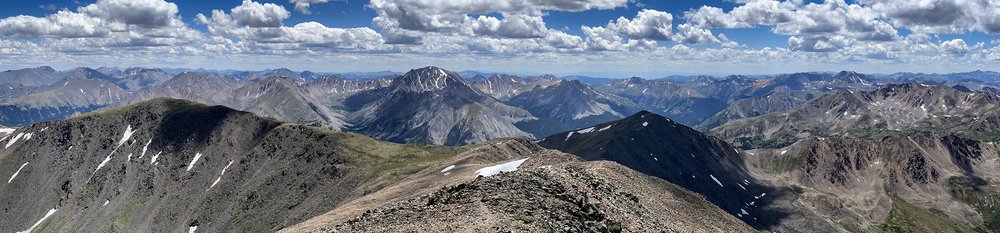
[{"x": 430, "y": 78}]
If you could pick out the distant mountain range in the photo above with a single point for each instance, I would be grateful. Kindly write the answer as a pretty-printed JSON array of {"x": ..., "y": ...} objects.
[
  {"x": 510, "y": 105},
  {"x": 569, "y": 104},
  {"x": 895, "y": 108}
]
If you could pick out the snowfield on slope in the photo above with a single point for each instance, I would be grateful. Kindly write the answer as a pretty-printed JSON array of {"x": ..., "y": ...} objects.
[{"x": 497, "y": 169}]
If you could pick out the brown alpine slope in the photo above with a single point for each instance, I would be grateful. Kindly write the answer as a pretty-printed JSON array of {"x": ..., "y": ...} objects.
[
  {"x": 919, "y": 182},
  {"x": 549, "y": 191}
]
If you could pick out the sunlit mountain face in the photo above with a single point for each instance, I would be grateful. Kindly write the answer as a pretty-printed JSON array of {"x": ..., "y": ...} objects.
[{"x": 500, "y": 116}]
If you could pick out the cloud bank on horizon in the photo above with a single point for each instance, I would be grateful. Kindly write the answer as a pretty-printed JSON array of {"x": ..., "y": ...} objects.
[{"x": 630, "y": 36}]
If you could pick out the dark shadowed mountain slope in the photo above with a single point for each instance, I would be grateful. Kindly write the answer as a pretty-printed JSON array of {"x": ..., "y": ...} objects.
[
  {"x": 891, "y": 108},
  {"x": 657, "y": 146},
  {"x": 434, "y": 106},
  {"x": 569, "y": 105},
  {"x": 539, "y": 190},
  {"x": 174, "y": 166}
]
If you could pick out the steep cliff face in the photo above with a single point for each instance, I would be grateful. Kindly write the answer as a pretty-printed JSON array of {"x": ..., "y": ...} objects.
[{"x": 171, "y": 165}]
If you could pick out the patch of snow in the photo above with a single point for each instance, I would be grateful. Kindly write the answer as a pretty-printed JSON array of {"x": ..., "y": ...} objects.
[
  {"x": 145, "y": 147},
  {"x": 192, "y": 229},
  {"x": 569, "y": 135},
  {"x": 106, "y": 202},
  {"x": 153, "y": 160},
  {"x": 655, "y": 159},
  {"x": 223, "y": 173},
  {"x": 106, "y": 159},
  {"x": 644, "y": 90},
  {"x": 743, "y": 211},
  {"x": 784, "y": 151},
  {"x": 644, "y": 124},
  {"x": 716, "y": 180},
  {"x": 28, "y": 136},
  {"x": 447, "y": 169},
  {"x": 13, "y": 140},
  {"x": 496, "y": 169},
  {"x": 193, "y": 161},
  {"x": 7, "y": 130},
  {"x": 18, "y": 171},
  {"x": 741, "y": 186},
  {"x": 127, "y": 135},
  {"x": 584, "y": 131},
  {"x": 47, "y": 215},
  {"x": 605, "y": 128}
]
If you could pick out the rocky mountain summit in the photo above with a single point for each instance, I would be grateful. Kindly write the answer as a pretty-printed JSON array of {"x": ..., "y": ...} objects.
[
  {"x": 515, "y": 185},
  {"x": 434, "y": 106}
]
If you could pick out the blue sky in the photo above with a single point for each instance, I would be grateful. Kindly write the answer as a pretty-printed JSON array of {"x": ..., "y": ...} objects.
[{"x": 615, "y": 38}]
